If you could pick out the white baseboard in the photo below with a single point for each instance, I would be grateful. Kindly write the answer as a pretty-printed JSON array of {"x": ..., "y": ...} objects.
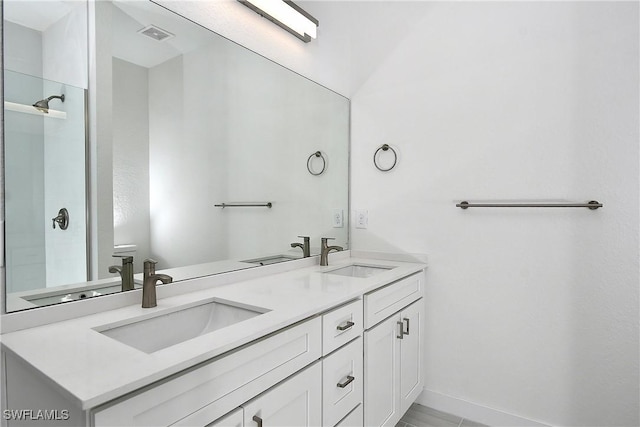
[{"x": 473, "y": 411}]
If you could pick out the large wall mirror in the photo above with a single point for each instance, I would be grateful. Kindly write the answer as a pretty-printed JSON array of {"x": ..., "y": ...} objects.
[{"x": 156, "y": 139}]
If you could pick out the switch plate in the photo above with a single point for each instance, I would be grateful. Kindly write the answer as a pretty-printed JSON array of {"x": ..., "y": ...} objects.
[
  {"x": 362, "y": 218},
  {"x": 337, "y": 218}
]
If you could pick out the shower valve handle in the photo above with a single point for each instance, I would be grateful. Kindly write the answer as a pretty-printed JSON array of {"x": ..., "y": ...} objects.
[{"x": 62, "y": 219}]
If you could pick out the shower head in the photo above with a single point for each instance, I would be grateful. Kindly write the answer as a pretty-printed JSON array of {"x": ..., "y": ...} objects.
[{"x": 43, "y": 104}]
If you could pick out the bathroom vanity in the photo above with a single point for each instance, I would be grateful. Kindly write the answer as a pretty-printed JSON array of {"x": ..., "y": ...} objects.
[{"x": 340, "y": 345}]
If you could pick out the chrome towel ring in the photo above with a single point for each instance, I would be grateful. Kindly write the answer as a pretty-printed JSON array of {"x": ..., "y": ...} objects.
[
  {"x": 385, "y": 147},
  {"x": 324, "y": 163}
]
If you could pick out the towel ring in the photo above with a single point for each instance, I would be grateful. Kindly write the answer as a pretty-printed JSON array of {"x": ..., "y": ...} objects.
[
  {"x": 385, "y": 147},
  {"x": 324, "y": 163}
]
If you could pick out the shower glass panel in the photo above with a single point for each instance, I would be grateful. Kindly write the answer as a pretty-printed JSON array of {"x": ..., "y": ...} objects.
[{"x": 45, "y": 173}]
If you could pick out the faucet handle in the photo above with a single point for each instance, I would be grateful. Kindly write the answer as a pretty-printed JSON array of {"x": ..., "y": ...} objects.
[
  {"x": 126, "y": 259},
  {"x": 150, "y": 266}
]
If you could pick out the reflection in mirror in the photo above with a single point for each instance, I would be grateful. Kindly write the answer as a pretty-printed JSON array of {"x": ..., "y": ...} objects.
[{"x": 185, "y": 120}]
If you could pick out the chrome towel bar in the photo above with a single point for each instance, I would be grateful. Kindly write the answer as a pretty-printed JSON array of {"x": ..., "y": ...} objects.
[
  {"x": 593, "y": 205},
  {"x": 244, "y": 205}
]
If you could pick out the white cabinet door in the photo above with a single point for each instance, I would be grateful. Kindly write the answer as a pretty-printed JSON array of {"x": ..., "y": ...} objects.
[
  {"x": 393, "y": 366},
  {"x": 295, "y": 402},
  {"x": 411, "y": 354},
  {"x": 381, "y": 373}
]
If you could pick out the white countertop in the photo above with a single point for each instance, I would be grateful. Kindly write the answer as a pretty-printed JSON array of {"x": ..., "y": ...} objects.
[{"x": 91, "y": 368}]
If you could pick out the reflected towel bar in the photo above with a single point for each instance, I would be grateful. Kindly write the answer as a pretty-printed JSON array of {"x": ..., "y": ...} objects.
[
  {"x": 244, "y": 205},
  {"x": 593, "y": 205}
]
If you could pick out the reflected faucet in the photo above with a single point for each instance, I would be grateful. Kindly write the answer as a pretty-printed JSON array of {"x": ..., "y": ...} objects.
[
  {"x": 324, "y": 250},
  {"x": 126, "y": 272},
  {"x": 149, "y": 284},
  {"x": 306, "y": 250}
]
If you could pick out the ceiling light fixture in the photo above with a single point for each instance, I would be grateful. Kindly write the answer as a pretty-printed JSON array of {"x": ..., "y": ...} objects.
[{"x": 287, "y": 15}]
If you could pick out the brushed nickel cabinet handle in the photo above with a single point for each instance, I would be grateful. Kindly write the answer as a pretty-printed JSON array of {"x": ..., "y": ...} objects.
[
  {"x": 258, "y": 420},
  {"x": 401, "y": 336},
  {"x": 407, "y": 321},
  {"x": 347, "y": 382},
  {"x": 345, "y": 326}
]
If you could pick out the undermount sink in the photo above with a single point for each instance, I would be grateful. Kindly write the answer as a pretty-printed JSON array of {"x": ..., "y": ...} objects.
[
  {"x": 166, "y": 330},
  {"x": 359, "y": 270}
]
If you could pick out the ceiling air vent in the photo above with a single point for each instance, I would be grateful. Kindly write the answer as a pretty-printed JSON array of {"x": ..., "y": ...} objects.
[{"x": 156, "y": 33}]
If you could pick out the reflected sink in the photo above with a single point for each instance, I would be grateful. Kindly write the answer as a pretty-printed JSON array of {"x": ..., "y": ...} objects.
[
  {"x": 271, "y": 260},
  {"x": 359, "y": 270},
  {"x": 166, "y": 330},
  {"x": 70, "y": 295}
]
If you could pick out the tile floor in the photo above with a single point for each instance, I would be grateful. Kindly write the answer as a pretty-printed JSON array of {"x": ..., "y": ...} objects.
[{"x": 421, "y": 416}]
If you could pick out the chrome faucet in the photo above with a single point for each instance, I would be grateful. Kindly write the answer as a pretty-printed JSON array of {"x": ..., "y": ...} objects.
[
  {"x": 149, "y": 284},
  {"x": 126, "y": 272},
  {"x": 324, "y": 250},
  {"x": 306, "y": 250}
]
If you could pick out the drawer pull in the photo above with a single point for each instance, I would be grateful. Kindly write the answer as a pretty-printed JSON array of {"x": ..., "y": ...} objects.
[
  {"x": 401, "y": 333},
  {"x": 347, "y": 382},
  {"x": 407, "y": 331},
  {"x": 258, "y": 420},
  {"x": 401, "y": 336},
  {"x": 346, "y": 325}
]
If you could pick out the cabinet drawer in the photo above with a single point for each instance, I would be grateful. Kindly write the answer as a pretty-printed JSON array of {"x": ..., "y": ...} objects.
[
  {"x": 380, "y": 304},
  {"x": 205, "y": 393},
  {"x": 354, "y": 419},
  {"x": 297, "y": 401},
  {"x": 342, "y": 382},
  {"x": 341, "y": 326}
]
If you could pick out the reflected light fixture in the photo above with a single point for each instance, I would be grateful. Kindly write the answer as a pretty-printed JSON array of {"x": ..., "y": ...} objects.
[{"x": 286, "y": 15}]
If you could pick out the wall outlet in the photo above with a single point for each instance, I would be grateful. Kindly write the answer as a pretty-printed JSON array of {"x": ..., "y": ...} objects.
[
  {"x": 337, "y": 218},
  {"x": 362, "y": 219}
]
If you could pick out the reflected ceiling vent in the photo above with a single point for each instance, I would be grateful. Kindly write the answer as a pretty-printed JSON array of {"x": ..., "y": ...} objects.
[{"x": 156, "y": 33}]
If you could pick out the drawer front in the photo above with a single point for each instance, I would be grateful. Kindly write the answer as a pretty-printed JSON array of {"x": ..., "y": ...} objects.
[
  {"x": 204, "y": 394},
  {"x": 295, "y": 402},
  {"x": 341, "y": 325},
  {"x": 342, "y": 382},
  {"x": 380, "y": 304},
  {"x": 354, "y": 419}
]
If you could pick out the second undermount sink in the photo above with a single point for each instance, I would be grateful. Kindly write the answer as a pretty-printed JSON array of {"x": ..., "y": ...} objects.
[
  {"x": 359, "y": 270},
  {"x": 166, "y": 330}
]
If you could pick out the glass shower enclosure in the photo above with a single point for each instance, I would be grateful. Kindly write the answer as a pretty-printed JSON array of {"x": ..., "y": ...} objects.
[{"x": 45, "y": 183}]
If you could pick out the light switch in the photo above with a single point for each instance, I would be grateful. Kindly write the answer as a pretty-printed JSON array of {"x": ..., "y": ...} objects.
[
  {"x": 338, "y": 221},
  {"x": 362, "y": 219}
]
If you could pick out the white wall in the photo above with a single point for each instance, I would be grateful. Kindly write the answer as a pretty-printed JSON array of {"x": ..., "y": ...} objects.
[
  {"x": 101, "y": 137},
  {"x": 131, "y": 158},
  {"x": 531, "y": 312},
  {"x": 64, "y": 47}
]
